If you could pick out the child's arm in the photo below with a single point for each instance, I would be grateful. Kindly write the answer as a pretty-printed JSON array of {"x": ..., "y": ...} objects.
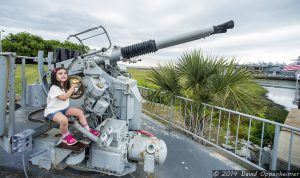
[{"x": 66, "y": 96}]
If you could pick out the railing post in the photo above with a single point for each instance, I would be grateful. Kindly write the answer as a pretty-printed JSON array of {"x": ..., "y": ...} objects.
[
  {"x": 42, "y": 73},
  {"x": 228, "y": 131},
  {"x": 191, "y": 117},
  {"x": 203, "y": 122},
  {"x": 237, "y": 134},
  {"x": 275, "y": 148},
  {"x": 290, "y": 150},
  {"x": 49, "y": 60},
  {"x": 4, "y": 74},
  {"x": 23, "y": 83},
  {"x": 220, "y": 113},
  {"x": 12, "y": 95},
  {"x": 297, "y": 97},
  {"x": 171, "y": 111},
  {"x": 211, "y": 117},
  {"x": 185, "y": 114},
  {"x": 261, "y": 143}
]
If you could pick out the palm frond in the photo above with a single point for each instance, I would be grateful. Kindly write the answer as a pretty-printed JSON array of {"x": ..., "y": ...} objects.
[{"x": 166, "y": 78}]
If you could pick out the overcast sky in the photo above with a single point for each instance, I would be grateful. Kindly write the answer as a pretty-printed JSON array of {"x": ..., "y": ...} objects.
[{"x": 266, "y": 30}]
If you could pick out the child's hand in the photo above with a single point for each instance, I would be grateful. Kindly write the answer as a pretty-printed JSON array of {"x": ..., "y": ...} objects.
[{"x": 74, "y": 85}]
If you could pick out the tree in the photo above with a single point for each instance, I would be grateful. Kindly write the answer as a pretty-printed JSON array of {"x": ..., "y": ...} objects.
[
  {"x": 209, "y": 79},
  {"x": 166, "y": 78},
  {"x": 26, "y": 44}
]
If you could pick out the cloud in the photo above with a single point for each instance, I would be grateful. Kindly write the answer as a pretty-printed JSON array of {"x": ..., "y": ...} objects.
[{"x": 264, "y": 30}]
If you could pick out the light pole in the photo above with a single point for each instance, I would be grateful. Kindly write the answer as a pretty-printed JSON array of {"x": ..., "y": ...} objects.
[{"x": 1, "y": 40}]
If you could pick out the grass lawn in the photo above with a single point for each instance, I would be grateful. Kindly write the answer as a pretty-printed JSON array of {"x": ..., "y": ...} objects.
[
  {"x": 141, "y": 76},
  {"x": 31, "y": 73}
]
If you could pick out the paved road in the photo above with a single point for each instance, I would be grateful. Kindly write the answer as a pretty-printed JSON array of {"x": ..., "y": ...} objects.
[{"x": 186, "y": 158}]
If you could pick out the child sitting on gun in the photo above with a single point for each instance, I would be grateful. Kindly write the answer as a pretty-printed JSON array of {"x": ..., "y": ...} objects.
[{"x": 58, "y": 106}]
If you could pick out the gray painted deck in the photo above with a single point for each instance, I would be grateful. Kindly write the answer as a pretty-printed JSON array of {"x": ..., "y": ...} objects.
[{"x": 186, "y": 158}]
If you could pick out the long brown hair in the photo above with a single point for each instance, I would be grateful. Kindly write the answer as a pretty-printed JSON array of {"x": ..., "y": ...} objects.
[{"x": 54, "y": 80}]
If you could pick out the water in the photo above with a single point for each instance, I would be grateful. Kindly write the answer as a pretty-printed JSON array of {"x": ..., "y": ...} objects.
[{"x": 282, "y": 96}]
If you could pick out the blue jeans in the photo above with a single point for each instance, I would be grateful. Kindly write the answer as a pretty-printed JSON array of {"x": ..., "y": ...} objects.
[{"x": 51, "y": 115}]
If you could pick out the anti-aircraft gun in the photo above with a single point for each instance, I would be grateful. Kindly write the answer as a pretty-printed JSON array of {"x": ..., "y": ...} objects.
[{"x": 111, "y": 101}]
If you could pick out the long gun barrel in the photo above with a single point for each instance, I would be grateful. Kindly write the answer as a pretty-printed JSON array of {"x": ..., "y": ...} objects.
[{"x": 152, "y": 46}]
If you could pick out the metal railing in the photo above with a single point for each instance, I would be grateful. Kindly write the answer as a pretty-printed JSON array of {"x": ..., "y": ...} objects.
[
  {"x": 297, "y": 88},
  {"x": 251, "y": 139}
]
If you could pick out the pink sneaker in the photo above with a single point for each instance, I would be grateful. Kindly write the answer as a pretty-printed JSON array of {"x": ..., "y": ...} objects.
[
  {"x": 95, "y": 132},
  {"x": 70, "y": 140}
]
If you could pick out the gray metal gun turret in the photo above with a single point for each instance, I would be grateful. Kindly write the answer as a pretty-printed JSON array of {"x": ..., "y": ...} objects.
[
  {"x": 111, "y": 101},
  {"x": 154, "y": 45}
]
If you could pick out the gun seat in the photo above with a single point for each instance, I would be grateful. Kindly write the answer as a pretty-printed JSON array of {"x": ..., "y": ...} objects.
[{"x": 38, "y": 116}]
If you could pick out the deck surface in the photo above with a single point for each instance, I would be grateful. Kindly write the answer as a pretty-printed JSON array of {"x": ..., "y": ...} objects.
[{"x": 186, "y": 158}]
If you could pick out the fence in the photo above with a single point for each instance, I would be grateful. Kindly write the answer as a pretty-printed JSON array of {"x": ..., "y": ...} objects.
[{"x": 250, "y": 139}]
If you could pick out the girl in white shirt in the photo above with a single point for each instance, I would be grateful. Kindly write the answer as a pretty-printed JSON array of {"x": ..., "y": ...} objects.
[{"x": 58, "y": 106}]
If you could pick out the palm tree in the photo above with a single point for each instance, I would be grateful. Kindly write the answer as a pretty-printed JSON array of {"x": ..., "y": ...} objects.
[
  {"x": 166, "y": 77},
  {"x": 196, "y": 72},
  {"x": 208, "y": 79},
  {"x": 234, "y": 89}
]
